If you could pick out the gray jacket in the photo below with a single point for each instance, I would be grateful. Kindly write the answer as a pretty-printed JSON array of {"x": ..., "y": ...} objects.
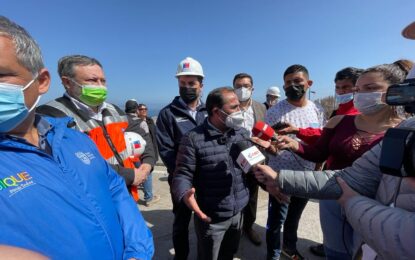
[
  {"x": 259, "y": 111},
  {"x": 389, "y": 231}
]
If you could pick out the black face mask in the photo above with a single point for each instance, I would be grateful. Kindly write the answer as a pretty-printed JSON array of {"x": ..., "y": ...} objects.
[
  {"x": 294, "y": 92},
  {"x": 188, "y": 94}
]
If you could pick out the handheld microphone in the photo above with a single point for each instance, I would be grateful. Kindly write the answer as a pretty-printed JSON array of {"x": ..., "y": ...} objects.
[
  {"x": 264, "y": 131},
  {"x": 249, "y": 156}
]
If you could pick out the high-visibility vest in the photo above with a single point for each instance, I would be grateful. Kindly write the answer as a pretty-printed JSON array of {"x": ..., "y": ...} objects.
[{"x": 108, "y": 135}]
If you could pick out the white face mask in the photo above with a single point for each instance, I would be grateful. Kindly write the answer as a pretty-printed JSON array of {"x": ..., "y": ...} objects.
[
  {"x": 243, "y": 94},
  {"x": 342, "y": 99},
  {"x": 369, "y": 103},
  {"x": 234, "y": 120}
]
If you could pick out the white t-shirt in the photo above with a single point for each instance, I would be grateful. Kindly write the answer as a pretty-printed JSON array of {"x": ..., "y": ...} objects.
[{"x": 302, "y": 117}]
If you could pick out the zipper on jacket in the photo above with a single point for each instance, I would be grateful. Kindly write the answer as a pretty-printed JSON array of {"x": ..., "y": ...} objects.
[{"x": 232, "y": 171}]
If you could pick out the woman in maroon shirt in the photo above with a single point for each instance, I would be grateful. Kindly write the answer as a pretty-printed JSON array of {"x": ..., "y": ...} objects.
[{"x": 344, "y": 139}]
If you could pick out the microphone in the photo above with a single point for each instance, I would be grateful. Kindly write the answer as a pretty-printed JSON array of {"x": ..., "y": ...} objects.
[
  {"x": 249, "y": 156},
  {"x": 264, "y": 131}
]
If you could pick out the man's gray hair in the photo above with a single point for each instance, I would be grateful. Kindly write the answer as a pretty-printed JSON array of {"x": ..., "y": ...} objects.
[
  {"x": 27, "y": 50},
  {"x": 67, "y": 64}
]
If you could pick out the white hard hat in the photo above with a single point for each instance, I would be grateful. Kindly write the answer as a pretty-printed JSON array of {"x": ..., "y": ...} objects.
[
  {"x": 275, "y": 91},
  {"x": 135, "y": 143},
  {"x": 190, "y": 67}
]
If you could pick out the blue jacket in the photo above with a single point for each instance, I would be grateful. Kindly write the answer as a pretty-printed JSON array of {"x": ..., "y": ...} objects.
[
  {"x": 68, "y": 205},
  {"x": 172, "y": 123},
  {"x": 207, "y": 161}
]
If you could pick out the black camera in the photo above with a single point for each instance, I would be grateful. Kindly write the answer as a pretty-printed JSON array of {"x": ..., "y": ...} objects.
[{"x": 398, "y": 149}]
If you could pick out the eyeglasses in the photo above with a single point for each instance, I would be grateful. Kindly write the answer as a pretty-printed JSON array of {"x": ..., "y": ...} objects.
[{"x": 142, "y": 109}]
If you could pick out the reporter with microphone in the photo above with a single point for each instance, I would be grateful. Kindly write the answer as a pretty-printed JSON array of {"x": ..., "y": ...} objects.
[
  {"x": 376, "y": 192},
  {"x": 208, "y": 179}
]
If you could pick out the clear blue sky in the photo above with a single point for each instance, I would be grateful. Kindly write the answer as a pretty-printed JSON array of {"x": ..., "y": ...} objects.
[{"x": 141, "y": 42}]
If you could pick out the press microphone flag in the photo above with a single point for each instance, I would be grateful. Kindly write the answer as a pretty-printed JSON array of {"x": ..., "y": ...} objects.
[
  {"x": 263, "y": 131},
  {"x": 249, "y": 156}
]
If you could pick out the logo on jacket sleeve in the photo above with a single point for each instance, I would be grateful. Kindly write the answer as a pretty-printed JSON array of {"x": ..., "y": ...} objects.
[{"x": 85, "y": 157}]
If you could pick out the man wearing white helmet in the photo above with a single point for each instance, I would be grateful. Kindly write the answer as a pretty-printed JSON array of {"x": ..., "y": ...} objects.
[
  {"x": 273, "y": 94},
  {"x": 252, "y": 112},
  {"x": 184, "y": 113}
]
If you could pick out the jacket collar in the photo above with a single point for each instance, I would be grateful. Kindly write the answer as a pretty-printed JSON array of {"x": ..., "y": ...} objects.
[{"x": 179, "y": 105}]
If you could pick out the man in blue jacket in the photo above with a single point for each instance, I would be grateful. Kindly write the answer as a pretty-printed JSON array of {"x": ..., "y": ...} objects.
[
  {"x": 206, "y": 166},
  {"x": 183, "y": 114},
  {"x": 60, "y": 197}
]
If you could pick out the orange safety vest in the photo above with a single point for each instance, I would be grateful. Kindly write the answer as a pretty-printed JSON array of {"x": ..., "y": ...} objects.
[
  {"x": 107, "y": 135},
  {"x": 110, "y": 137}
]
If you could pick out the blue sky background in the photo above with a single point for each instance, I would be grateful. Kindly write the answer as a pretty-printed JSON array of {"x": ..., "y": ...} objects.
[{"x": 141, "y": 42}]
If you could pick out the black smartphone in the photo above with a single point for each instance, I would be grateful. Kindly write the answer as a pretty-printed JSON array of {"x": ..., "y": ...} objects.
[{"x": 280, "y": 125}]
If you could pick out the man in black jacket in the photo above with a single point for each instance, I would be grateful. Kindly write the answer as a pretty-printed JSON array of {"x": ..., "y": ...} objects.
[
  {"x": 183, "y": 114},
  {"x": 206, "y": 166}
]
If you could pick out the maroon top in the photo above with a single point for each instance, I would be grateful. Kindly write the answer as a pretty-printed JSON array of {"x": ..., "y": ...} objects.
[{"x": 341, "y": 145}]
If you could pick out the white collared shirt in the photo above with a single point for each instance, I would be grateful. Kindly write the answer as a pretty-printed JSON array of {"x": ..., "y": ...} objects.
[
  {"x": 192, "y": 112},
  {"x": 249, "y": 119}
]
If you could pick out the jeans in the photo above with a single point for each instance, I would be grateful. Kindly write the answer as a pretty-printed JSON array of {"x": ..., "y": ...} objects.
[
  {"x": 148, "y": 188},
  {"x": 337, "y": 232},
  {"x": 283, "y": 214},
  {"x": 218, "y": 239}
]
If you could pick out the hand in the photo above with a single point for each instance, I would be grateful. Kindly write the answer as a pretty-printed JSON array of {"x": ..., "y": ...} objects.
[
  {"x": 347, "y": 192},
  {"x": 258, "y": 141},
  {"x": 290, "y": 129},
  {"x": 268, "y": 176},
  {"x": 268, "y": 146},
  {"x": 190, "y": 201},
  {"x": 285, "y": 142},
  {"x": 141, "y": 173},
  {"x": 277, "y": 194},
  {"x": 264, "y": 174}
]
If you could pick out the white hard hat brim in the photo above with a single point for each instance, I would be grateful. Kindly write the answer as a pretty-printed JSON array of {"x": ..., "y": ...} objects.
[
  {"x": 189, "y": 74},
  {"x": 409, "y": 31}
]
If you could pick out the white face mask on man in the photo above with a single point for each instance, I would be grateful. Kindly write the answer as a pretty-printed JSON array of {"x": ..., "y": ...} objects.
[
  {"x": 243, "y": 94},
  {"x": 234, "y": 120},
  {"x": 369, "y": 103}
]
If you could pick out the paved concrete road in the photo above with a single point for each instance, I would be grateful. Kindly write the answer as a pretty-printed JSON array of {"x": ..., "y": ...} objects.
[{"x": 160, "y": 218}]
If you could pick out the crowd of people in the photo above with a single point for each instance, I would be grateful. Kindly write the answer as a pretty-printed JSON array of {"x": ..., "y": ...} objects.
[{"x": 73, "y": 192}]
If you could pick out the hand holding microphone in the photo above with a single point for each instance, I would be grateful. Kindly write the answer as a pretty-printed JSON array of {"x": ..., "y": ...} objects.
[
  {"x": 265, "y": 136},
  {"x": 267, "y": 176}
]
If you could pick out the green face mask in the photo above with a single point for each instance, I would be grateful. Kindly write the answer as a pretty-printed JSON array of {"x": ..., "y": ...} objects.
[{"x": 93, "y": 95}]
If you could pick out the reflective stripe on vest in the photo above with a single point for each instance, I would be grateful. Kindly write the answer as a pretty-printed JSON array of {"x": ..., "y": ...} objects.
[{"x": 115, "y": 125}]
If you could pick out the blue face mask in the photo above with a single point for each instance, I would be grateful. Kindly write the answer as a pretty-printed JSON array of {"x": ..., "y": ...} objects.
[
  {"x": 13, "y": 110},
  {"x": 342, "y": 99}
]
